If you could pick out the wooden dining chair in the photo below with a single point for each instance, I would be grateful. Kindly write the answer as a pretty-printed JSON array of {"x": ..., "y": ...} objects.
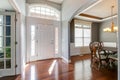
[
  {"x": 102, "y": 59},
  {"x": 93, "y": 48},
  {"x": 97, "y": 55},
  {"x": 102, "y": 51}
]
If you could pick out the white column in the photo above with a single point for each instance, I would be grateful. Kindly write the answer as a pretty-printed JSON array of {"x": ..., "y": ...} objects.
[{"x": 118, "y": 39}]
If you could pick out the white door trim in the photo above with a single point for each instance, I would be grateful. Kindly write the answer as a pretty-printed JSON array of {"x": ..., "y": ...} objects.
[
  {"x": 10, "y": 71},
  {"x": 44, "y": 21}
]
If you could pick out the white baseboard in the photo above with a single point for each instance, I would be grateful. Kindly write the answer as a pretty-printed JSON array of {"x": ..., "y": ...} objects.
[
  {"x": 65, "y": 60},
  {"x": 72, "y": 54},
  {"x": 69, "y": 60}
]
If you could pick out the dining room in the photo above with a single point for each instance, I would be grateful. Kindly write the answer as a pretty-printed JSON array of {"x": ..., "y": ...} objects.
[{"x": 94, "y": 37}]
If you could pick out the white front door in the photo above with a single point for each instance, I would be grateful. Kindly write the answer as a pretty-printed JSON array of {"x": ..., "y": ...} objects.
[
  {"x": 46, "y": 41},
  {"x": 41, "y": 40},
  {"x": 7, "y": 43}
]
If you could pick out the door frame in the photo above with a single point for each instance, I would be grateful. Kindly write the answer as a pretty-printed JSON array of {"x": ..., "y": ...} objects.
[
  {"x": 11, "y": 71},
  {"x": 44, "y": 21}
]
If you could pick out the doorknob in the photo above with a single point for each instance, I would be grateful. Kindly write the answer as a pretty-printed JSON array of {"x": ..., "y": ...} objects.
[{"x": 52, "y": 42}]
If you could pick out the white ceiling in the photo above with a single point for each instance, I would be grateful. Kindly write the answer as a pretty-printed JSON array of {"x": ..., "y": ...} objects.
[
  {"x": 102, "y": 9},
  {"x": 5, "y": 5},
  {"x": 56, "y": 1}
]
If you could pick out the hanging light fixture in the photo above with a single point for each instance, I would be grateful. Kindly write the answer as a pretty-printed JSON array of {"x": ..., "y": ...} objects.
[{"x": 112, "y": 28}]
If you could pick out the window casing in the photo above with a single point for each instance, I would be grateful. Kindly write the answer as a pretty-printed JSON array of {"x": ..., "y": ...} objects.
[{"x": 82, "y": 35}]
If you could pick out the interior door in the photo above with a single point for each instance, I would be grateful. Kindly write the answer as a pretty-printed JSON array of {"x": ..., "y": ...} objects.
[
  {"x": 7, "y": 43},
  {"x": 40, "y": 39}
]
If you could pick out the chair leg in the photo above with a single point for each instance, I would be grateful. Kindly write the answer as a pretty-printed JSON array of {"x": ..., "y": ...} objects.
[
  {"x": 99, "y": 65},
  {"x": 92, "y": 62}
]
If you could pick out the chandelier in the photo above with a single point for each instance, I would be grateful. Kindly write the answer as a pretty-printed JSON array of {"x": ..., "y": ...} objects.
[{"x": 112, "y": 28}]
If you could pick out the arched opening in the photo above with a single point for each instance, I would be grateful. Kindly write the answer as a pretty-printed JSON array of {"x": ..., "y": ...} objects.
[{"x": 43, "y": 32}]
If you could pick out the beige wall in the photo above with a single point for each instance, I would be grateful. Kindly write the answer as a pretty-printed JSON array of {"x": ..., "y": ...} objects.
[{"x": 107, "y": 36}]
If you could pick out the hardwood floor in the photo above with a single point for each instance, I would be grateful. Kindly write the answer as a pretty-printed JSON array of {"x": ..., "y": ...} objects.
[
  {"x": 83, "y": 71},
  {"x": 56, "y": 69},
  {"x": 53, "y": 69},
  {"x": 10, "y": 78}
]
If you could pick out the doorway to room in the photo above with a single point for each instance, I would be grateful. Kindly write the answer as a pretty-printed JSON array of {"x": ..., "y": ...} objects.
[
  {"x": 43, "y": 33},
  {"x": 42, "y": 39}
]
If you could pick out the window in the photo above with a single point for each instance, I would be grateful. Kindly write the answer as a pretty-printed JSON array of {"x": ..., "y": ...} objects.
[
  {"x": 44, "y": 11},
  {"x": 56, "y": 40},
  {"x": 82, "y": 35},
  {"x": 33, "y": 40}
]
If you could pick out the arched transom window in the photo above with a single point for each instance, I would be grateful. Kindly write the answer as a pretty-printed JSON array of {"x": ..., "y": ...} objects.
[{"x": 44, "y": 11}]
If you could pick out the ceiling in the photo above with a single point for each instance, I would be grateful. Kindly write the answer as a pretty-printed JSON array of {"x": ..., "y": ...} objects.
[
  {"x": 5, "y": 5},
  {"x": 99, "y": 11},
  {"x": 56, "y": 1}
]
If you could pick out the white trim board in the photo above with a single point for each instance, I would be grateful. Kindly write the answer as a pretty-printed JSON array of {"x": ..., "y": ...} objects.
[
  {"x": 65, "y": 60},
  {"x": 14, "y": 5}
]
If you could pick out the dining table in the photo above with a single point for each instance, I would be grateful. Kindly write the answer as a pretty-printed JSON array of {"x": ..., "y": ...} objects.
[
  {"x": 112, "y": 54},
  {"x": 110, "y": 49},
  {"x": 114, "y": 57}
]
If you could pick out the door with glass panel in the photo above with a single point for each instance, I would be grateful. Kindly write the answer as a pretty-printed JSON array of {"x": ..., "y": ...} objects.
[
  {"x": 7, "y": 43},
  {"x": 41, "y": 40}
]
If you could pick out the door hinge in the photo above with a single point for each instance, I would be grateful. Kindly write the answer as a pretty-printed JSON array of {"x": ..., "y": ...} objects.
[
  {"x": 16, "y": 66},
  {"x": 37, "y": 27},
  {"x": 16, "y": 43},
  {"x": 16, "y": 19},
  {"x": 36, "y": 41}
]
